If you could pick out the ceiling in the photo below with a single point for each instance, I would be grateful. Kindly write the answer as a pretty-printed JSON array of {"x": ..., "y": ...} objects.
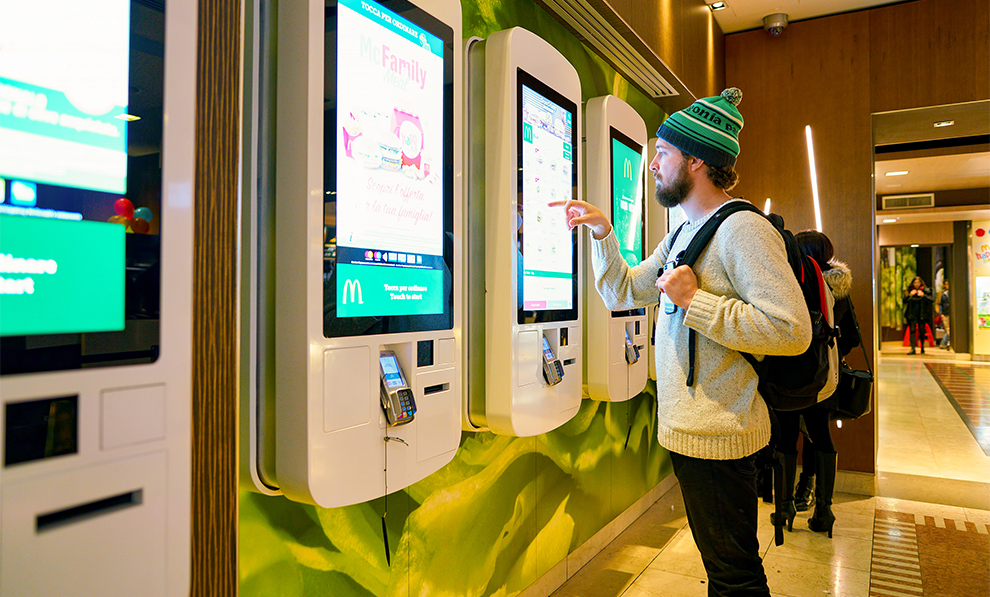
[
  {"x": 934, "y": 173},
  {"x": 743, "y": 15},
  {"x": 935, "y": 158}
]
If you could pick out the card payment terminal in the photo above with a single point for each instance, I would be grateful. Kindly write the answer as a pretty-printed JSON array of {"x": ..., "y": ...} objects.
[
  {"x": 553, "y": 371},
  {"x": 397, "y": 398},
  {"x": 632, "y": 353}
]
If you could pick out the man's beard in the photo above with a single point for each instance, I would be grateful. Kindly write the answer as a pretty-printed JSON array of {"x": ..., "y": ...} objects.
[{"x": 673, "y": 193}]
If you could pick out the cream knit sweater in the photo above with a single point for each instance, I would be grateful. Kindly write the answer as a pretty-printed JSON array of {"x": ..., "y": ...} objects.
[{"x": 748, "y": 300}]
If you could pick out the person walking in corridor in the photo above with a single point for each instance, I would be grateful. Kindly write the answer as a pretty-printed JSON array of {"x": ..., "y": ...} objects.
[
  {"x": 944, "y": 309},
  {"x": 918, "y": 311}
]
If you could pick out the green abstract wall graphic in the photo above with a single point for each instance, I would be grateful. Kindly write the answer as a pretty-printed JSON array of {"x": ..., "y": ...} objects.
[
  {"x": 494, "y": 520},
  {"x": 898, "y": 266},
  {"x": 505, "y": 510}
]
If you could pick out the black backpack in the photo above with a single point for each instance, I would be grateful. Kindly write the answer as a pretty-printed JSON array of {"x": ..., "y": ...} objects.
[{"x": 786, "y": 382}]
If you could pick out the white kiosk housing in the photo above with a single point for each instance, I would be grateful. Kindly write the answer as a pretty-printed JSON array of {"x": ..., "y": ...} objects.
[
  {"x": 616, "y": 357},
  {"x": 525, "y": 101},
  {"x": 369, "y": 272},
  {"x": 96, "y": 351}
]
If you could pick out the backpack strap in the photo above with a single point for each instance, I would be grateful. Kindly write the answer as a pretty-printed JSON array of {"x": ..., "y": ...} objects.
[
  {"x": 673, "y": 238},
  {"x": 862, "y": 345},
  {"x": 706, "y": 232},
  {"x": 693, "y": 251},
  {"x": 653, "y": 332}
]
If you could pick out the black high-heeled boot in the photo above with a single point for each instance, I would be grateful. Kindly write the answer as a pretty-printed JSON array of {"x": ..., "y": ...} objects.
[
  {"x": 787, "y": 500},
  {"x": 823, "y": 519}
]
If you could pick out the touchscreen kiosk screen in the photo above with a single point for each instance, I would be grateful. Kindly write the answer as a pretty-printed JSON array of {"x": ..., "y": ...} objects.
[
  {"x": 548, "y": 173},
  {"x": 388, "y": 196},
  {"x": 627, "y": 196},
  {"x": 64, "y": 93},
  {"x": 80, "y": 183}
]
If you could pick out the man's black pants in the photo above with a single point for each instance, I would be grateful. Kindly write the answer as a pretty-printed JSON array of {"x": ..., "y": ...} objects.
[{"x": 722, "y": 509}]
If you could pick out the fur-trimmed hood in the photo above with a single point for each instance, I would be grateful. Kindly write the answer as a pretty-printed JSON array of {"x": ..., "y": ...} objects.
[{"x": 839, "y": 279}]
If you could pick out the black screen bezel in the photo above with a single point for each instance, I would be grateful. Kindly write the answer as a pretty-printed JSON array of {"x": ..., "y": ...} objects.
[
  {"x": 616, "y": 135},
  {"x": 549, "y": 315},
  {"x": 341, "y": 327}
]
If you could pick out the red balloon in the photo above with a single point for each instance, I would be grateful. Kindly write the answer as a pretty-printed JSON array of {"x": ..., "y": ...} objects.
[
  {"x": 124, "y": 207},
  {"x": 140, "y": 226}
]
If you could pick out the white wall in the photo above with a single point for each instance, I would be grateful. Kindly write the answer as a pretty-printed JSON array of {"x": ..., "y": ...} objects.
[{"x": 980, "y": 248}]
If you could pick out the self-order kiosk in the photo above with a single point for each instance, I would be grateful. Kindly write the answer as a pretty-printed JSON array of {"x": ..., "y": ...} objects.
[
  {"x": 616, "y": 364},
  {"x": 525, "y": 354},
  {"x": 369, "y": 278},
  {"x": 97, "y": 148}
]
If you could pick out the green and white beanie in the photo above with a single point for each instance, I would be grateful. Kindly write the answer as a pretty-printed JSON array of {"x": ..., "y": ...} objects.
[{"x": 708, "y": 129}]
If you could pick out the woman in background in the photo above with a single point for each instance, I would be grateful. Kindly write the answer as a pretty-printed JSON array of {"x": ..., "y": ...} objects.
[
  {"x": 816, "y": 418},
  {"x": 918, "y": 303}
]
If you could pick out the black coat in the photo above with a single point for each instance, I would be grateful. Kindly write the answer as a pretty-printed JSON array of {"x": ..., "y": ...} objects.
[{"x": 918, "y": 309}]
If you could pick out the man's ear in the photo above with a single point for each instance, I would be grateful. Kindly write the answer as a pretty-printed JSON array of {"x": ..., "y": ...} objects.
[{"x": 695, "y": 164}]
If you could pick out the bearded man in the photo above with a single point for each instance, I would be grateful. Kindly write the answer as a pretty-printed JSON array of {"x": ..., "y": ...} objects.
[{"x": 740, "y": 296}]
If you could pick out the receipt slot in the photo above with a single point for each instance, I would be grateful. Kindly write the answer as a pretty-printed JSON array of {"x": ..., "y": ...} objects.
[
  {"x": 524, "y": 101},
  {"x": 615, "y": 178},
  {"x": 96, "y": 286},
  {"x": 368, "y": 264}
]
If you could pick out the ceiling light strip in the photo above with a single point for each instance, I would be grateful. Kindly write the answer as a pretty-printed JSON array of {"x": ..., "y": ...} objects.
[{"x": 814, "y": 178}]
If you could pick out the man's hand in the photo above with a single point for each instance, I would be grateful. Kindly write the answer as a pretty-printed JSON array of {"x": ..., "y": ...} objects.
[
  {"x": 680, "y": 284},
  {"x": 580, "y": 212}
]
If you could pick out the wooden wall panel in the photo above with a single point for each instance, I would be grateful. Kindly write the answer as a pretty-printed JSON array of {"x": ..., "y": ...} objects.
[
  {"x": 701, "y": 51},
  {"x": 929, "y": 53},
  {"x": 684, "y": 34},
  {"x": 817, "y": 73},
  {"x": 928, "y": 233},
  {"x": 214, "y": 483}
]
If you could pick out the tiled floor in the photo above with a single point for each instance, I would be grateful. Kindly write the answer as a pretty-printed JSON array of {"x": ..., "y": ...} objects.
[
  {"x": 967, "y": 387},
  {"x": 881, "y": 546},
  {"x": 920, "y": 432}
]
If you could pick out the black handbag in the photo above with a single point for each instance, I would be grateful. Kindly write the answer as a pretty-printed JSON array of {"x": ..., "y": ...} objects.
[{"x": 852, "y": 397}]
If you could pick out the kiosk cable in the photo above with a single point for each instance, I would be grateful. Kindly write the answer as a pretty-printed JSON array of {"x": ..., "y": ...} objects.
[{"x": 388, "y": 554}]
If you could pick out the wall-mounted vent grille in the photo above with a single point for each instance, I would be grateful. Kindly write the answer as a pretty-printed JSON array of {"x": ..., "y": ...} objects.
[
  {"x": 599, "y": 33},
  {"x": 909, "y": 201}
]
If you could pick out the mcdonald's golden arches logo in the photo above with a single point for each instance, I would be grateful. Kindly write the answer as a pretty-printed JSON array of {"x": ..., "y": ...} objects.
[
  {"x": 353, "y": 285},
  {"x": 627, "y": 169}
]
